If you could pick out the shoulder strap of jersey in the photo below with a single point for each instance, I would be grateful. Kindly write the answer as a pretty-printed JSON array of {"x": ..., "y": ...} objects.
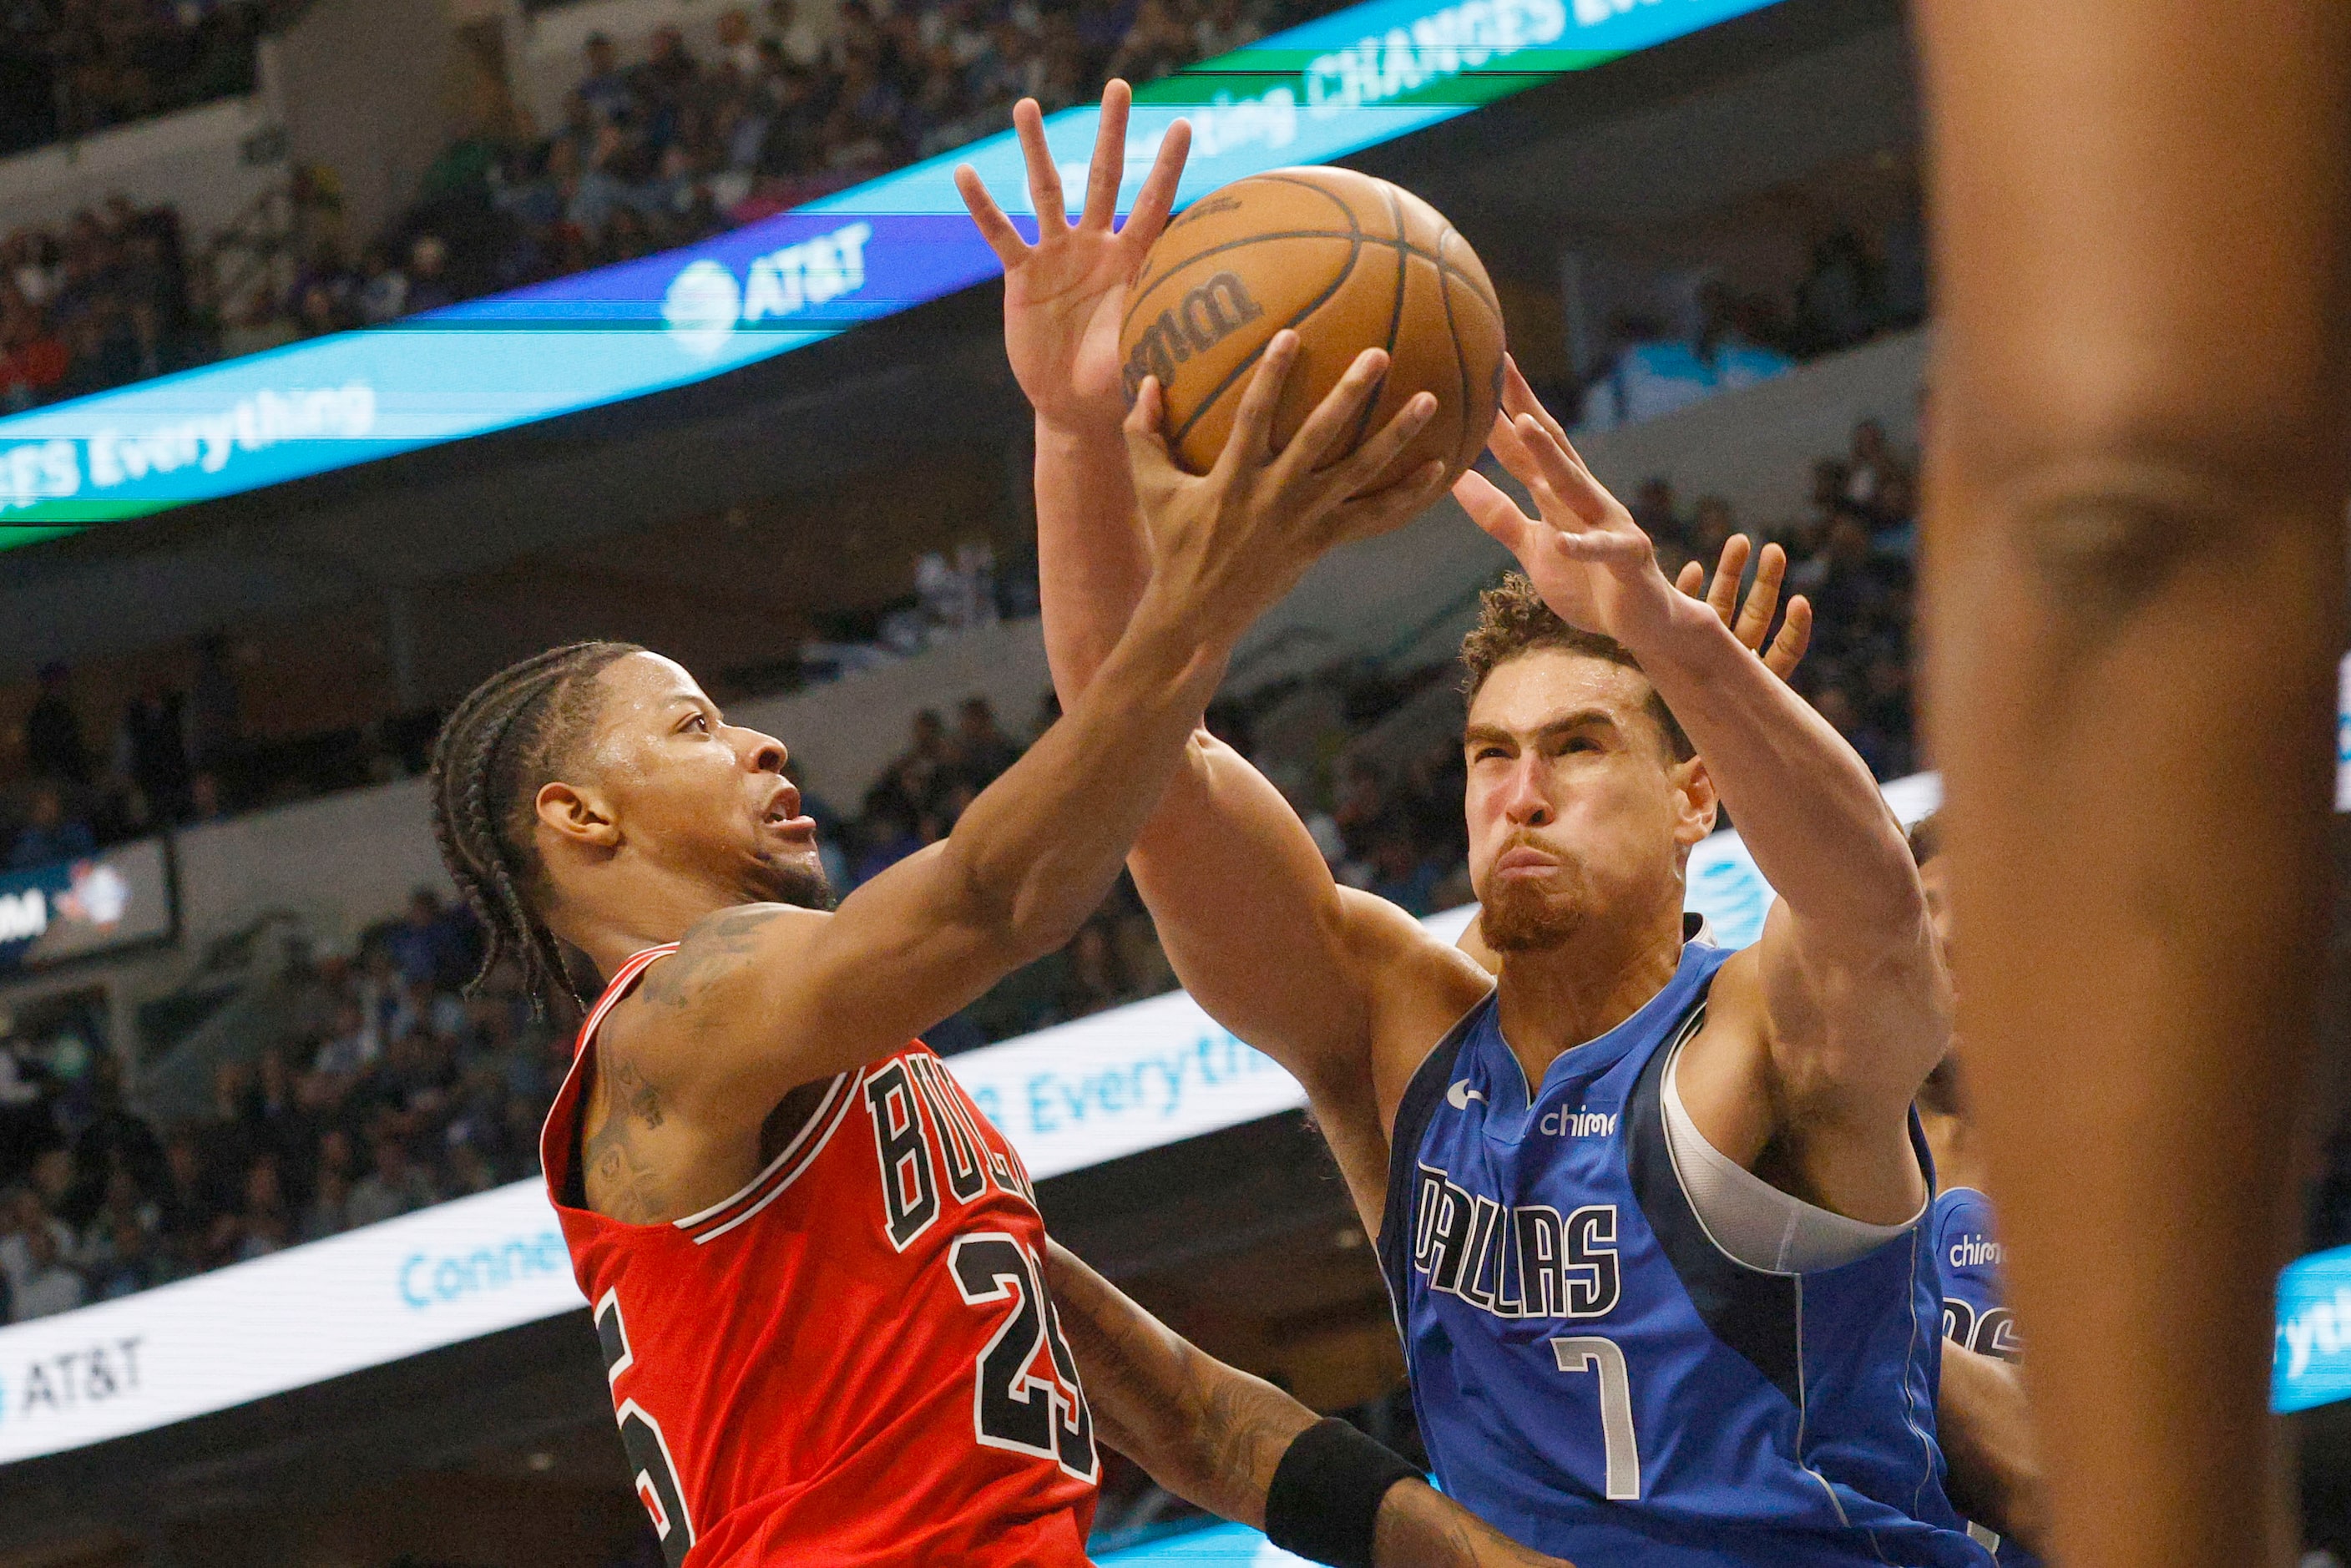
[
  {"x": 558, "y": 1145},
  {"x": 634, "y": 965}
]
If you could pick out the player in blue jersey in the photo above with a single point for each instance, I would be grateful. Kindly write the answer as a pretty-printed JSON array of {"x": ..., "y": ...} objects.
[
  {"x": 1967, "y": 1249},
  {"x": 1650, "y": 1210}
]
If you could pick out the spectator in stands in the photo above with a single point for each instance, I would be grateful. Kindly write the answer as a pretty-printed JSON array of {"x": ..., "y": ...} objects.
[
  {"x": 49, "y": 833},
  {"x": 35, "y": 1247},
  {"x": 263, "y": 1225},
  {"x": 394, "y": 1187},
  {"x": 428, "y": 274},
  {"x": 151, "y": 751},
  {"x": 431, "y": 945},
  {"x": 1090, "y": 981},
  {"x": 1653, "y": 508},
  {"x": 383, "y": 294},
  {"x": 53, "y": 741},
  {"x": 116, "y": 1146},
  {"x": 1402, "y": 873},
  {"x": 186, "y": 1206},
  {"x": 985, "y": 751},
  {"x": 117, "y": 1250},
  {"x": 1870, "y": 468},
  {"x": 45, "y": 1281},
  {"x": 26, "y": 1125},
  {"x": 1835, "y": 304},
  {"x": 328, "y": 1211}
]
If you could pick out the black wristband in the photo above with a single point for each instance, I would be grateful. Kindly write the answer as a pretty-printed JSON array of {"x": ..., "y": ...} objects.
[{"x": 1325, "y": 1496}]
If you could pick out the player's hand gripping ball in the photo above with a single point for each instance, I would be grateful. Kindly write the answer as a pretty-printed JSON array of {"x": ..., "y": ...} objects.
[{"x": 1347, "y": 261}]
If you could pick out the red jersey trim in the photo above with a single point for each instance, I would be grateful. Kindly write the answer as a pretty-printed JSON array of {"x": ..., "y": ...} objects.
[
  {"x": 634, "y": 965},
  {"x": 784, "y": 1169},
  {"x": 558, "y": 1146},
  {"x": 709, "y": 1224}
]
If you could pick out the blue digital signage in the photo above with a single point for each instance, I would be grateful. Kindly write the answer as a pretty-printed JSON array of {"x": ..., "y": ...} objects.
[
  {"x": 1350, "y": 80},
  {"x": 2312, "y": 1364}
]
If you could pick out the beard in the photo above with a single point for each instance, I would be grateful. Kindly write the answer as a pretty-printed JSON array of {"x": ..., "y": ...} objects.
[
  {"x": 799, "y": 882},
  {"x": 1522, "y": 920}
]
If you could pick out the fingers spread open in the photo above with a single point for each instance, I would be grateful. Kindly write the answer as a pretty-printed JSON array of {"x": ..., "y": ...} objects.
[
  {"x": 1763, "y": 599},
  {"x": 1157, "y": 197},
  {"x": 1564, "y": 472},
  {"x": 1510, "y": 448},
  {"x": 1109, "y": 157},
  {"x": 1795, "y": 636},
  {"x": 994, "y": 226},
  {"x": 1251, "y": 441},
  {"x": 1690, "y": 580},
  {"x": 1519, "y": 398},
  {"x": 1044, "y": 178},
  {"x": 1724, "y": 595},
  {"x": 1340, "y": 411}
]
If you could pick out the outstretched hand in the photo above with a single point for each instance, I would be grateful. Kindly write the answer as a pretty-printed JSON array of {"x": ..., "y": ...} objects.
[
  {"x": 1751, "y": 621},
  {"x": 1583, "y": 553},
  {"x": 1235, "y": 538},
  {"x": 1062, "y": 295}
]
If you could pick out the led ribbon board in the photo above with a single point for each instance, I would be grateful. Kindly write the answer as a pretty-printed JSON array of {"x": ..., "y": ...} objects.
[{"x": 1347, "y": 81}]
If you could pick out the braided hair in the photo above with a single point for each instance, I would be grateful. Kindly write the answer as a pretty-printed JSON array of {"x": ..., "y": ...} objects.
[{"x": 511, "y": 735}]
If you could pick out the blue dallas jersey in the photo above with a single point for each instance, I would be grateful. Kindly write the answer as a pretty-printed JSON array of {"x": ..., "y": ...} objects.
[
  {"x": 1967, "y": 1256},
  {"x": 1596, "y": 1379}
]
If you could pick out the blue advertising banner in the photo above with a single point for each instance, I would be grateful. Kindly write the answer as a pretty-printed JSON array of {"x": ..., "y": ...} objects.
[
  {"x": 1362, "y": 76},
  {"x": 2314, "y": 1332},
  {"x": 1217, "y": 1546}
]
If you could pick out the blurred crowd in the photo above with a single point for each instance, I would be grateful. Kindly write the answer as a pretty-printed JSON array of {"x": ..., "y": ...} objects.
[
  {"x": 71, "y": 66},
  {"x": 657, "y": 148},
  {"x": 1851, "y": 550},
  {"x": 103, "y": 301},
  {"x": 1857, "y": 285},
  {"x": 661, "y": 147},
  {"x": 386, "y": 1091}
]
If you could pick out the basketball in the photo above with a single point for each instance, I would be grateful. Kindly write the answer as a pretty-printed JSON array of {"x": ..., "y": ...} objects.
[{"x": 1349, "y": 262}]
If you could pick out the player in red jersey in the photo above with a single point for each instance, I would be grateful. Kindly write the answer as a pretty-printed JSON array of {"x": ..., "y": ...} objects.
[{"x": 818, "y": 1276}]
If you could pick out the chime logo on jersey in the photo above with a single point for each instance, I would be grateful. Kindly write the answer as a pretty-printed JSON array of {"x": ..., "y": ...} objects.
[
  {"x": 915, "y": 1165},
  {"x": 1524, "y": 1262}
]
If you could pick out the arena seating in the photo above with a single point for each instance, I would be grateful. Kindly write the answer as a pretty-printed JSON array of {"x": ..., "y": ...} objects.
[{"x": 68, "y": 68}]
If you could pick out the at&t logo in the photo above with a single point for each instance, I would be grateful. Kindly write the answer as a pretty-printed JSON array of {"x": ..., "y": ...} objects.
[{"x": 704, "y": 303}]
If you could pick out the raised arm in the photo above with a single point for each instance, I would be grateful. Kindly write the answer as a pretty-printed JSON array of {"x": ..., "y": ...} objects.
[
  {"x": 763, "y": 998},
  {"x": 1215, "y": 1435},
  {"x": 1250, "y": 917},
  {"x": 1852, "y": 1004}
]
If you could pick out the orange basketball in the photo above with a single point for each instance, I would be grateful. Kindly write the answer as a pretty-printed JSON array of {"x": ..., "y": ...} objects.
[{"x": 1347, "y": 261}]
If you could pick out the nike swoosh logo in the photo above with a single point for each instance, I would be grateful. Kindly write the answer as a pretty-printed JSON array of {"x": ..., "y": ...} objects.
[{"x": 1460, "y": 1095}]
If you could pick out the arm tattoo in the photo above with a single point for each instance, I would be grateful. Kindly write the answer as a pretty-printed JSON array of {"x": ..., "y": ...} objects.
[
  {"x": 713, "y": 947},
  {"x": 622, "y": 1178}
]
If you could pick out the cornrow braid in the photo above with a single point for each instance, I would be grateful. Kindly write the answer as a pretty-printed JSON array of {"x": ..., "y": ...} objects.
[{"x": 510, "y": 735}]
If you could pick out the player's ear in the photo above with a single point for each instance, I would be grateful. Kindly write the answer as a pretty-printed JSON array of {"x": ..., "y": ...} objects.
[
  {"x": 1696, "y": 803},
  {"x": 576, "y": 815}
]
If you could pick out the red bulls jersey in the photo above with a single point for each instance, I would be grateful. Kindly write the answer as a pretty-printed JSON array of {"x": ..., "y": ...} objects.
[{"x": 852, "y": 1361}]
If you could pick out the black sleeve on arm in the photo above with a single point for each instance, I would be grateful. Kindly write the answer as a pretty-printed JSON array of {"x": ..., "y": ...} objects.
[{"x": 1325, "y": 1498}]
